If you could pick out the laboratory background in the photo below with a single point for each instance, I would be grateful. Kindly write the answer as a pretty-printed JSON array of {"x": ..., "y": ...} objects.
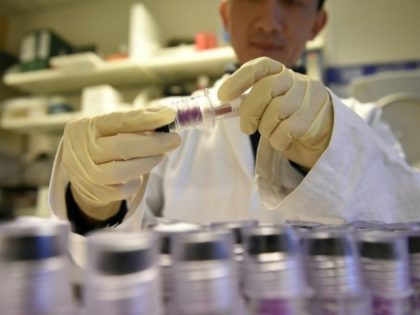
[
  {"x": 66, "y": 59},
  {"x": 57, "y": 55}
]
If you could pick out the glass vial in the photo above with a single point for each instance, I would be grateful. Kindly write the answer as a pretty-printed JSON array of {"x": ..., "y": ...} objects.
[
  {"x": 167, "y": 232},
  {"x": 334, "y": 273},
  {"x": 238, "y": 229},
  {"x": 122, "y": 274},
  {"x": 34, "y": 272},
  {"x": 205, "y": 280},
  {"x": 274, "y": 278},
  {"x": 384, "y": 259}
]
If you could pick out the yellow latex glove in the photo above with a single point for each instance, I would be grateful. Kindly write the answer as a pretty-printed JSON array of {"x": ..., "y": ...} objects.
[
  {"x": 106, "y": 156},
  {"x": 291, "y": 110}
]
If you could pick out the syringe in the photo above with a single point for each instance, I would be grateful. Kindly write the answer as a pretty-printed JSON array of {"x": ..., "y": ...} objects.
[{"x": 200, "y": 111}]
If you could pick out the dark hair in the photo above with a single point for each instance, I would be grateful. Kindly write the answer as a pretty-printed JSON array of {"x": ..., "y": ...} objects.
[{"x": 320, "y": 4}]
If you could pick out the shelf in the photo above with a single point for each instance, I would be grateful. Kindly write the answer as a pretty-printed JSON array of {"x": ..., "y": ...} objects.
[
  {"x": 186, "y": 63},
  {"x": 59, "y": 80},
  {"x": 168, "y": 65},
  {"x": 49, "y": 123}
]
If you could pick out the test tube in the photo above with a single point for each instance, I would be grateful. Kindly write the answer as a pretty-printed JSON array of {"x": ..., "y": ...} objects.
[
  {"x": 200, "y": 110},
  {"x": 334, "y": 273},
  {"x": 122, "y": 274},
  {"x": 384, "y": 258},
  {"x": 34, "y": 274},
  {"x": 274, "y": 279},
  {"x": 205, "y": 280}
]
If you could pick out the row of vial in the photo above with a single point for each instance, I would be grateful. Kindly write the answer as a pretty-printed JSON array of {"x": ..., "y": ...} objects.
[{"x": 227, "y": 268}]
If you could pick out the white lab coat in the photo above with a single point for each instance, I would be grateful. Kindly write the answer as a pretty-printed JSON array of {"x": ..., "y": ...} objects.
[{"x": 210, "y": 177}]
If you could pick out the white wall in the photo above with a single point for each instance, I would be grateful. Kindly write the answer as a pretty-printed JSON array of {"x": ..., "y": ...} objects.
[
  {"x": 106, "y": 22},
  {"x": 372, "y": 31}
]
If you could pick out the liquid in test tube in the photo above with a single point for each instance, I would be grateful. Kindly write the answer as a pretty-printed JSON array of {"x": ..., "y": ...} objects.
[{"x": 200, "y": 111}]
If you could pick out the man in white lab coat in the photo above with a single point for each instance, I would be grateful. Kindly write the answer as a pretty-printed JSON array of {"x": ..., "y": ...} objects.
[{"x": 316, "y": 160}]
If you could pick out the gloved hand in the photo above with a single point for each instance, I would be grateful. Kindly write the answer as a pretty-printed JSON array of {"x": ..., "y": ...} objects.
[
  {"x": 291, "y": 110},
  {"x": 106, "y": 156}
]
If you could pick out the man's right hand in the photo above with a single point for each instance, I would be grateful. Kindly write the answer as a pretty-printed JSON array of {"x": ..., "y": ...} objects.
[{"x": 106, "y": 156}]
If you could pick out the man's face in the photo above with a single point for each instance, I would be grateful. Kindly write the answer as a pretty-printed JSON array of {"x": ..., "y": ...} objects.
[{"x": 278, "y": 29}]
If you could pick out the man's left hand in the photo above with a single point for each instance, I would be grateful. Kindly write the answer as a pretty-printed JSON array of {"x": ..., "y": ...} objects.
[{"x": 291, "y": 110}]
